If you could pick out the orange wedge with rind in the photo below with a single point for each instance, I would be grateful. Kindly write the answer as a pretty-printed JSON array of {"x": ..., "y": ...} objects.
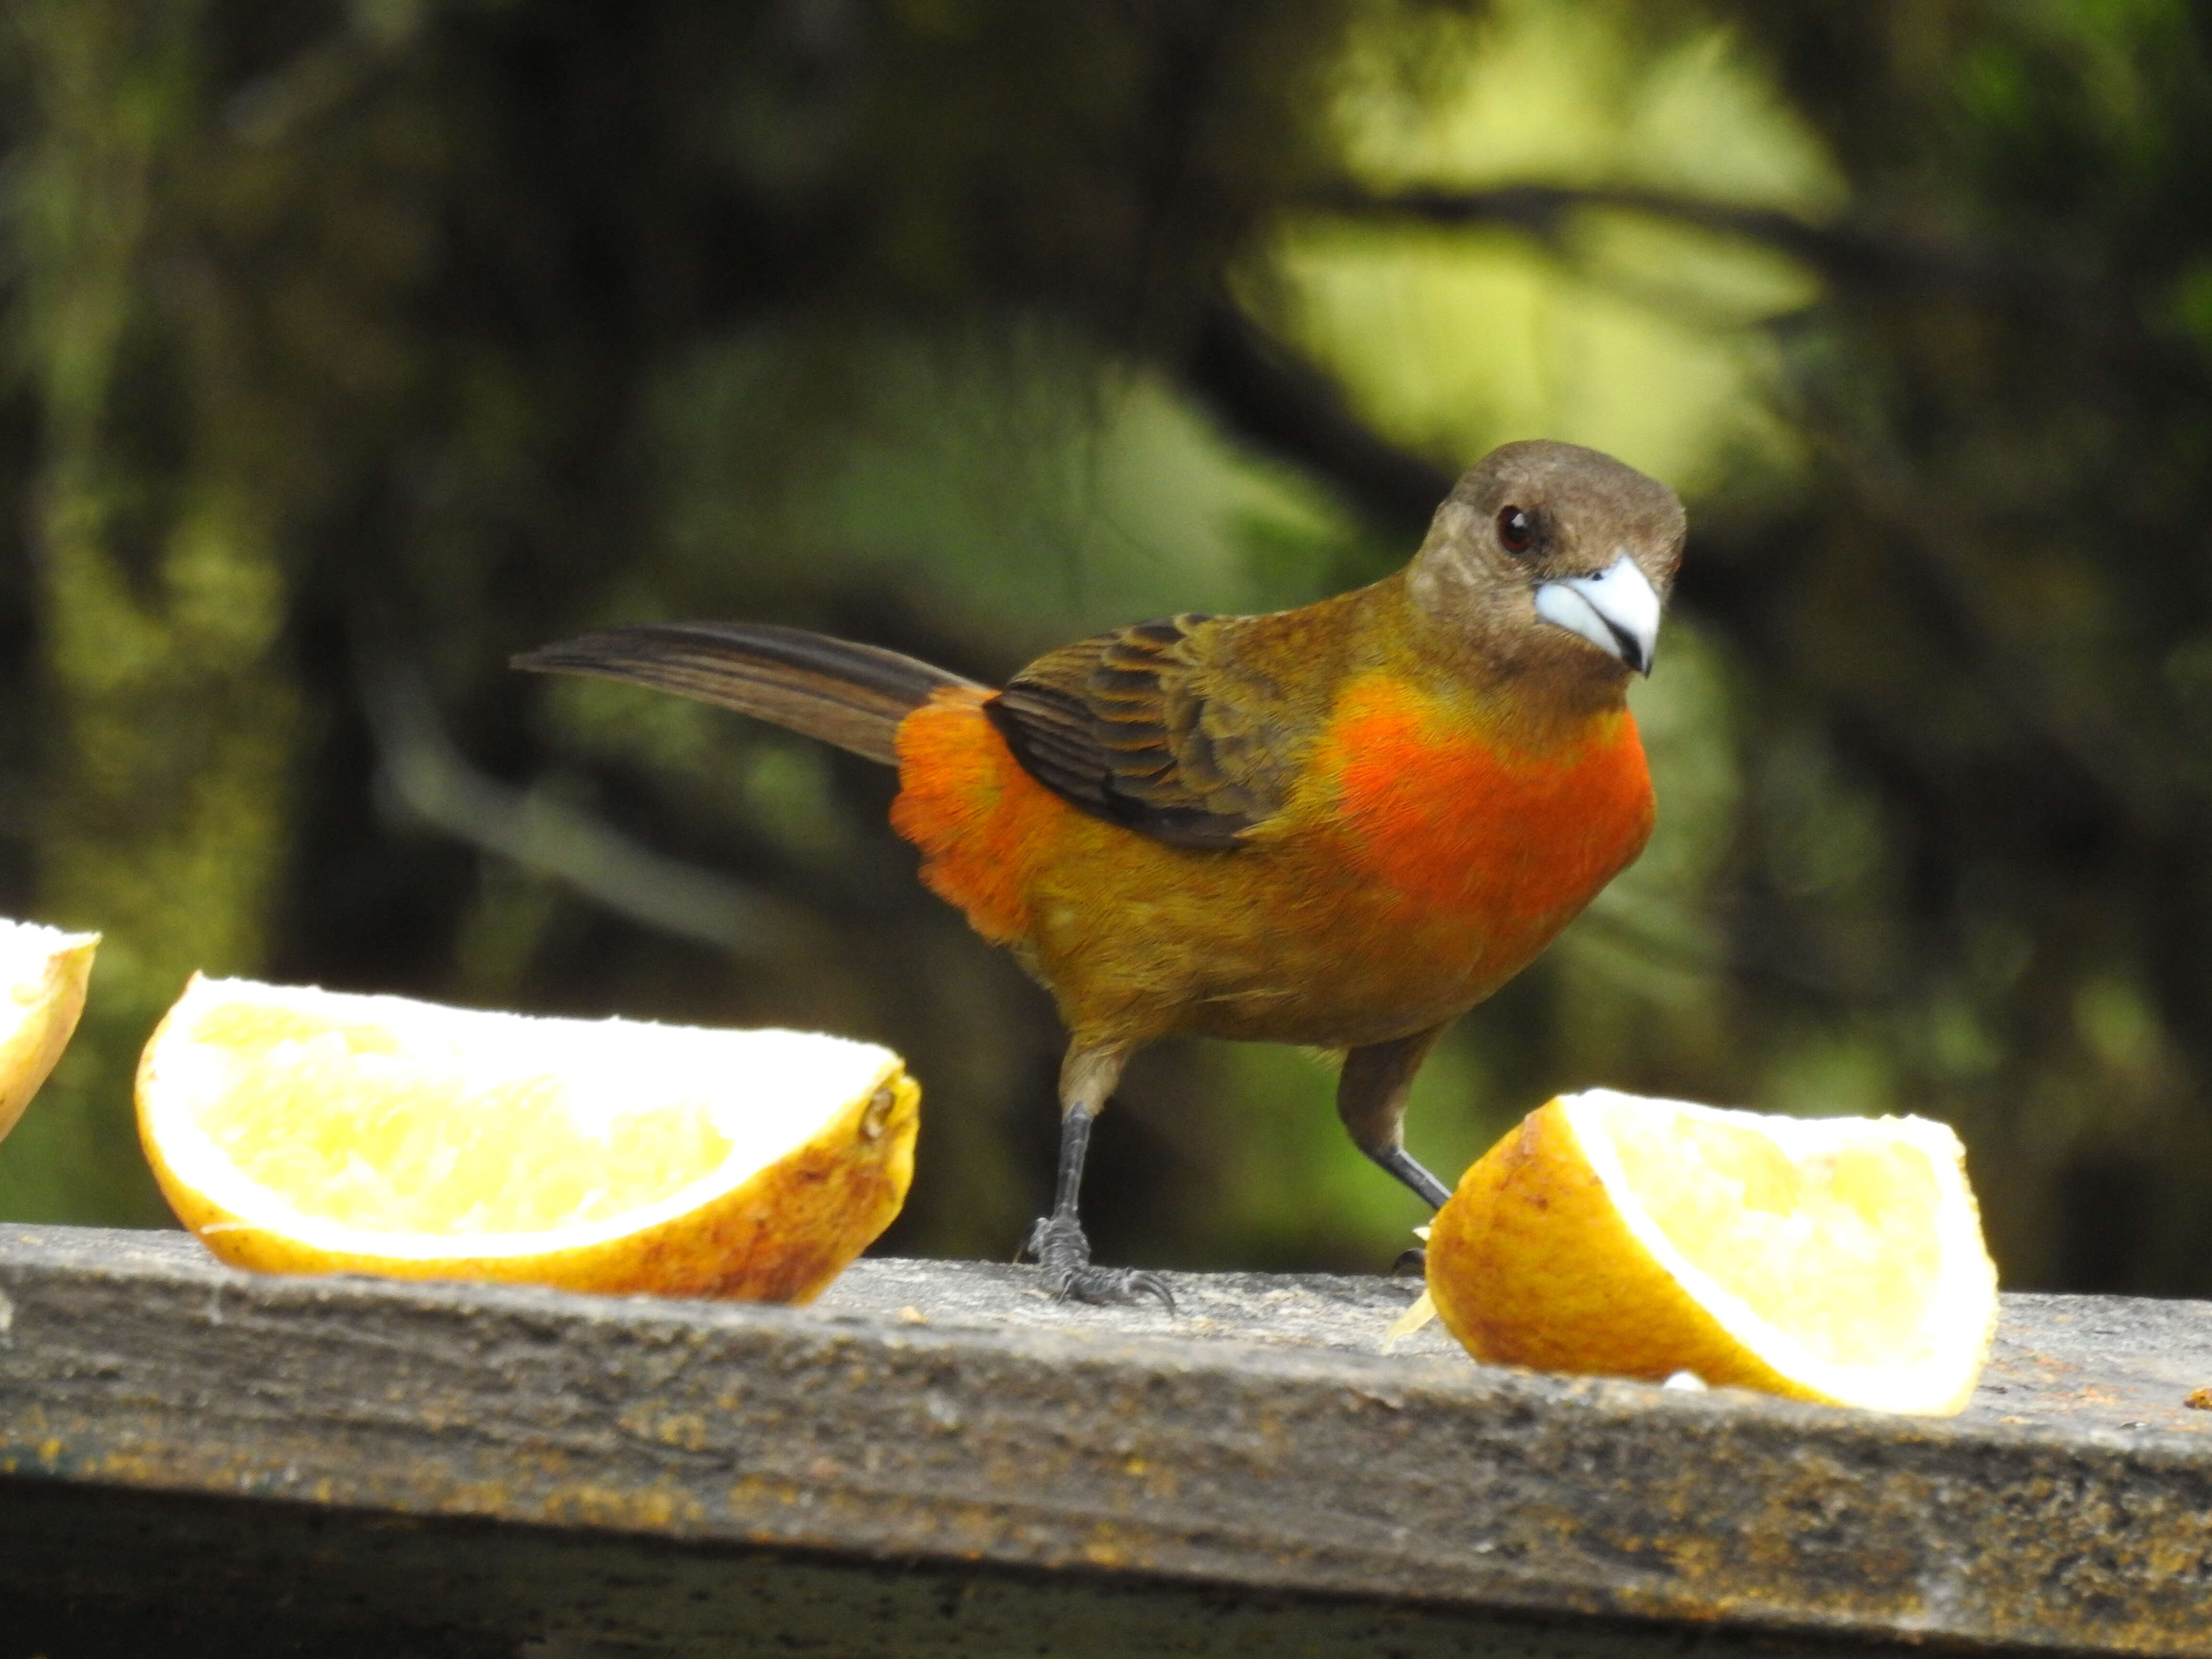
[
  {"x": 44, "y": 971},
  {"x": 1839, "y": 1260},
  {"x": 298, "y": 1130}
]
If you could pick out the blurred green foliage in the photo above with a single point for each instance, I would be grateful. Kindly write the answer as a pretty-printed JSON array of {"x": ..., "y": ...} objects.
[{"x": 352, "y": 348}]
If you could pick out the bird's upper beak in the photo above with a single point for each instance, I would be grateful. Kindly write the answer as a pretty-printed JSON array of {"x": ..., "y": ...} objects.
[{"x": 1617, "y": 611}]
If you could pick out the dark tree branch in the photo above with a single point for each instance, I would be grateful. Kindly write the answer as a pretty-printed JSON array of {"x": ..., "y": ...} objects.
[
  {"x": 425, "y": 777},
  {"x": 1851, "y": 256},
  {"x": 1266, "y": 393}
]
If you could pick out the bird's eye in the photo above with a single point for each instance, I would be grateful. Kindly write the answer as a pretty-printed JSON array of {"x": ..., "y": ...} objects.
[{"x": 1516, "y": 531}]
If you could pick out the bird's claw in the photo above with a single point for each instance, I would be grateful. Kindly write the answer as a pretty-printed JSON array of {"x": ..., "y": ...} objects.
[
  {"x": 1063, "y": 1259},
  {"x": 1117, "y": 1285},
  {"x": 1413, "y": 1261},
  {"x": 1056, "y": 1243}
]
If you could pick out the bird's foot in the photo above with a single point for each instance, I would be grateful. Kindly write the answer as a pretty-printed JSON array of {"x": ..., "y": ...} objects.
[
  {"x": 1063, "y": 1257},
  {"x": 1415, "y": 1261}
]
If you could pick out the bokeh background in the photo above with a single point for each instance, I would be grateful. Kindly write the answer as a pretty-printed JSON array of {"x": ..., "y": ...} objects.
[{"x": 350, "y": 348}]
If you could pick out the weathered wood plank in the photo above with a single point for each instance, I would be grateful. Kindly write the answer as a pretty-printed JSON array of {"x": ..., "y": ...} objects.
[
  {"x": 127, "y": 1572},
  {"x": 1256, "y": 1449}
]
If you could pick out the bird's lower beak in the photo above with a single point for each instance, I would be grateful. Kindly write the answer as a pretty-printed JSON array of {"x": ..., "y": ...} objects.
[{"x": 1617, "y": 611}]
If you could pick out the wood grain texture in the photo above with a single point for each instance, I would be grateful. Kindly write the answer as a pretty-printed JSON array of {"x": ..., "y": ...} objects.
[{"x": 946, "y": 1415}]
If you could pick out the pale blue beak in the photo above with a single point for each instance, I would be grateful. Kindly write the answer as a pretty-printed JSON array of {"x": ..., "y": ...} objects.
[{"x": 1616, "y": 610}]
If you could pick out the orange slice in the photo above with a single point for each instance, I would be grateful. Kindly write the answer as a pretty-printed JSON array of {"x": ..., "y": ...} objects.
[
  {"x": 44, "y": 971},
  {"x": 1830, "y": 1258},
  {"x": 297, "y": 1130}
]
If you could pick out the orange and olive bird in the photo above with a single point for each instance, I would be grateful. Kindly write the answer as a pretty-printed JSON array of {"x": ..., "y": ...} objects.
[{"x": 1341, "y": 826}]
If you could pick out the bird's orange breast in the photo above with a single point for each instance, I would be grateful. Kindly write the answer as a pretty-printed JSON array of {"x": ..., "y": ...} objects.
[{"x": 1452, "y": 820}]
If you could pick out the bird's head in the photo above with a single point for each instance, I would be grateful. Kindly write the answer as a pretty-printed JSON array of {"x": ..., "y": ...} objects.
[{"x": 1551, "y": 560}]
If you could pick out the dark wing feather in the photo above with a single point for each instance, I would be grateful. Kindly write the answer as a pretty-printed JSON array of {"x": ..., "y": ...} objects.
[{"x": 1152, "y": 726}]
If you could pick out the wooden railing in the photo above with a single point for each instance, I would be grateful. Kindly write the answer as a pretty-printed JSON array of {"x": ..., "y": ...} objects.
[{"x": 935, "y": 1459}]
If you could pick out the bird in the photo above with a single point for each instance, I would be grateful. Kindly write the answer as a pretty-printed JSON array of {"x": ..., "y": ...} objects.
[{"x": 1339, "y": 826}]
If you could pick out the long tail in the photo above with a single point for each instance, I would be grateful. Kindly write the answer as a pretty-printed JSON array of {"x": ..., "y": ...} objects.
[{"x": 853, "y": 696}]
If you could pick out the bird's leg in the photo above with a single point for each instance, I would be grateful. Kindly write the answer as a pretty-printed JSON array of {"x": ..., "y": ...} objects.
[
  {"x": 1087, "y": 1076},
  {"x": 1370, "y": 1098}
]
